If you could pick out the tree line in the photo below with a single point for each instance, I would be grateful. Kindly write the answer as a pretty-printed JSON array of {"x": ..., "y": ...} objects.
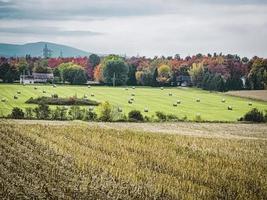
[{"x": 211, "y": 72}]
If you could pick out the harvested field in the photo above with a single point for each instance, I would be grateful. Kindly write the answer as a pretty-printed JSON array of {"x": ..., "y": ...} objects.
[
  {"x": 251, "y": 94},
  {"x": 76, "y": 160}
]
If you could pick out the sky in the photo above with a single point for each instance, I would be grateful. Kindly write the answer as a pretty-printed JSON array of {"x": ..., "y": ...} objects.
[{"x": 140, "y": 27}]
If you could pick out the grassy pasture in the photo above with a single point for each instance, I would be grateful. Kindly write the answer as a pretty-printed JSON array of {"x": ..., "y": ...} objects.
[
  {"x": 210, "y": 106},
  {"x": 65, "y": 160}
]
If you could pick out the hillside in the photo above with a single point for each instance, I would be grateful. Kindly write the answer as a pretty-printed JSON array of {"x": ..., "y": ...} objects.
[{"x": 36, "y": 49}]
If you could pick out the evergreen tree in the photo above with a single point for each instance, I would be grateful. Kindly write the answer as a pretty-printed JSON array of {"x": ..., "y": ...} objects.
[{"x": 154, "y": 79}]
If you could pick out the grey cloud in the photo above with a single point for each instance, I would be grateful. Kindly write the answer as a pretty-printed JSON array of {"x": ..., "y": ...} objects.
[
  {"x": 47, "y": 31},
  {"x": 80, "y": 9}
]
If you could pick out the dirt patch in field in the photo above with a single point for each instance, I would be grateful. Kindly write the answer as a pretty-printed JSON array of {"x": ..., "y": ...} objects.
[
  {"x": 218, "y": 130},
  {"x": 238, "y": 131},
  {"x": 251, "y": 94}
]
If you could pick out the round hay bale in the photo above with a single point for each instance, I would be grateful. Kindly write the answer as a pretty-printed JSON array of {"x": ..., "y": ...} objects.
[
  {"x": 250, "y": 103},
  {"x": 54, "y": 86},
  {"x": 92, "y": 95},
  {"x": 170, "y": 94},
  {"x": 230, "y": 108},
  {"x": 197, "y": 100},
  {"x": 3, "y": 100},
  {"x": 35, "y": 88},
  {"x": 24, "y": 84},
  {"x": 162, "y": 88},
  {"x": 132, "y": 94},
  {"x": 132, "y": 99},
  {"x": 119, "y": 109},
  {"x": 18, "y": 92},
  {"x": 85, "y": 96},
  {"x": 178, "y": 102},
  {"x": 89, "y": 86},
  {"x": 133, "y": 87},
  {"x": 223, "y": 100},
  {"x": 146, "y": 110},
  {"x": 44, "y": 91},
  {"x": 175, "y": 105},
  {"x": 91, "y": 108},
  {"x": 16, "y": 97},
  {"x": 129, "y": 101},
  {"x": 126, "y": 88}
]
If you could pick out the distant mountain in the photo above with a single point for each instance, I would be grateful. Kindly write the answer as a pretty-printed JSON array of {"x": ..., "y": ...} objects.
[{"x": 36, "y": 50}]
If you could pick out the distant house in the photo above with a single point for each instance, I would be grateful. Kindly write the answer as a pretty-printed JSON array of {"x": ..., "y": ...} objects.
[
  {"x": 36, "y": 78},
  {"x": 184, "y": 80},
  {"x": 26, "y": 79}
]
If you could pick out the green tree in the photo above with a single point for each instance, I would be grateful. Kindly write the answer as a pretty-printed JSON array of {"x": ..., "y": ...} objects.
[
  {"x": 17, "y": 113},
  {"x": 106, "y": 112},
  {"x": 41, "y": 66},
  {"x": 94, "y": 60},
  {"x": 257, "y": 76},
  {"x": 131, "y": 75},
  {"x": 154, "y": 79},
  {"x": 8, "y": 73},
  {"x": 115, "y": 67},
  {"x": 72, "y": 73}
]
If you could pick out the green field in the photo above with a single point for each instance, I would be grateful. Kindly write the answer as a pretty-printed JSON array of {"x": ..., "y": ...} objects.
[
  {"x": 210, "y": 106},
  {"x": 78, "y": 160}
]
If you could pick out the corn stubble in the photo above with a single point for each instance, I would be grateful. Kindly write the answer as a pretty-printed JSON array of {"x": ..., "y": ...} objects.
[{"x": 80, "y": 162}]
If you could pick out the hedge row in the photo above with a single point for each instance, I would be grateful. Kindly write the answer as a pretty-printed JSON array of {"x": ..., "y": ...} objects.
[{"x": 62, "y": 101}]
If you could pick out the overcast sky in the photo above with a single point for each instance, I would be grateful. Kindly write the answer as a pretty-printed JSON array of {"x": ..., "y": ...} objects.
[{"x": 144, "y": 27}]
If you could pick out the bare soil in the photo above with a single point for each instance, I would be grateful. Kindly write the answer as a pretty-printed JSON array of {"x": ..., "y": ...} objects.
[{"x": 251, "y": 94}]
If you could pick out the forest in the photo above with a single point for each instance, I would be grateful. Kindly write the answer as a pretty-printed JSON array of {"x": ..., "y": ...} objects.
[{"x": 215, "y": 72}]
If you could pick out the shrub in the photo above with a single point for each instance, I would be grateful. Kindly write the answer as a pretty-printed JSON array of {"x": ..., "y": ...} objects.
[
  {"x": 172, "y": 117},
  {"x": 90, "y": 116},
  {"x": 198, "y": 118},
  {"x": 42, "y": 111},
  {"x": 29, "y": 113},
  {"x": 135, "y": 115},
  {"x": 254, "y": 115},
  {"x": 55, "y": 96},
  {"x": 60, "y": 113},
  {"x": 117, "y": 115},
  {"x": 76, "y": 112},
  {"x": 161, "y": 116},
  {"x": 17, "y": 113},
  {"x": 105, "y": 112}
]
